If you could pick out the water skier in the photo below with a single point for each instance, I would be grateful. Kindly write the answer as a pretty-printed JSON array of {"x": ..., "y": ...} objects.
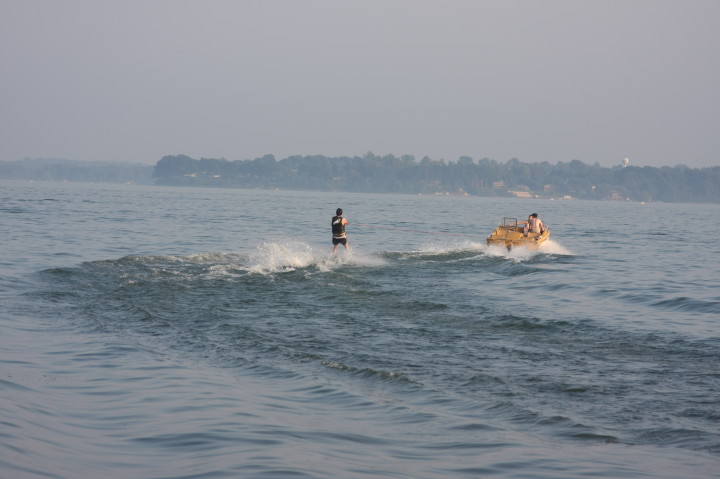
[{"x": 338, "y": 224}]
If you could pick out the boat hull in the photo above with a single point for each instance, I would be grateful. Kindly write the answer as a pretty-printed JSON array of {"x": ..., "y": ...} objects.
[{"x": 513, "y": 237}]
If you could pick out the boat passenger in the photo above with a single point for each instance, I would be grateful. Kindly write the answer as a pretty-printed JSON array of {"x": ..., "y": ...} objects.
[
  {"x": 533, "y": 225},
  {"x": 338, "y": 224}
]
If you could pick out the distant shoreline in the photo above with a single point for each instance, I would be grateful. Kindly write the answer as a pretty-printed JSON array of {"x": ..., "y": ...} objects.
[{"x": 389, "y": 174}]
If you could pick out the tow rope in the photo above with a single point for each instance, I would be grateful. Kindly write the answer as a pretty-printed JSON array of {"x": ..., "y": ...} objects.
[{"x": 413, "y": 231}]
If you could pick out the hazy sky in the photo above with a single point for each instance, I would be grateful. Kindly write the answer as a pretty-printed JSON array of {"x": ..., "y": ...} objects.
[{"x": 555, "y": 80}]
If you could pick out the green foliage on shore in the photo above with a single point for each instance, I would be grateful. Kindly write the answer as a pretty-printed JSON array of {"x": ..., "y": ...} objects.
[{"x": 390, "y": 174}]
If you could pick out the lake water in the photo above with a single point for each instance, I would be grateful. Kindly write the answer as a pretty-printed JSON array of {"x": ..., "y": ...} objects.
[{"x": 153, "y": 332}]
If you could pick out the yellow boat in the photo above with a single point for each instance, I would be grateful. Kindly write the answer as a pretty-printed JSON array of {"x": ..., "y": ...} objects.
[{"x": 510, "y": 234}]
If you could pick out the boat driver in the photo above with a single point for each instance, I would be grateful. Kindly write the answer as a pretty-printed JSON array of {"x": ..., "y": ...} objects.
[{"x": 533, "y": 225}]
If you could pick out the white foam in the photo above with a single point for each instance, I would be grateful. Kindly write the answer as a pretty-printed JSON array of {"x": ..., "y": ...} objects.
[
  {"x": 517, "y": 254},
  {"x": 276, "y": 257},
  {"x": 351, "y": 257},
  {"x": 553, "y": 247},
  {"x": 520, "y": 253},
  {"x": 270, "y": 257}
]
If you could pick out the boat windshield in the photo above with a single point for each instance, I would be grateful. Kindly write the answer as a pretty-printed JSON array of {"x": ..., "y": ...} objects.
[{"x": 508, "y": 221}]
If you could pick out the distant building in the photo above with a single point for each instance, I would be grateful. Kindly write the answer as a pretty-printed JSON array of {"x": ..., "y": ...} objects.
[{"x": 520, "y": 194}]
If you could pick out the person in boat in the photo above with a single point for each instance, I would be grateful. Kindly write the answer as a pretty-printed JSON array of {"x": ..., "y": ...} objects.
[
  {"x": 338, "y": 224},
  {"x": 533, "y": 225}
]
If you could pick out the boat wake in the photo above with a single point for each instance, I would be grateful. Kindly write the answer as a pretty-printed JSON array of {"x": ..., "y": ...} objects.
[
  {"x": 555, "y": 248},
  {"x": 520, "y": 254},
  {"x": 271, "y": 259}
]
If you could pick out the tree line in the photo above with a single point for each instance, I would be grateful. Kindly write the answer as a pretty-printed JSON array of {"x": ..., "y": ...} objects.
[{"x": 390, "y": 174}]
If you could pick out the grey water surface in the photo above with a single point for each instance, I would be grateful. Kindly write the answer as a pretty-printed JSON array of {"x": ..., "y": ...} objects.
[{"x": 153, "y": 332}]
